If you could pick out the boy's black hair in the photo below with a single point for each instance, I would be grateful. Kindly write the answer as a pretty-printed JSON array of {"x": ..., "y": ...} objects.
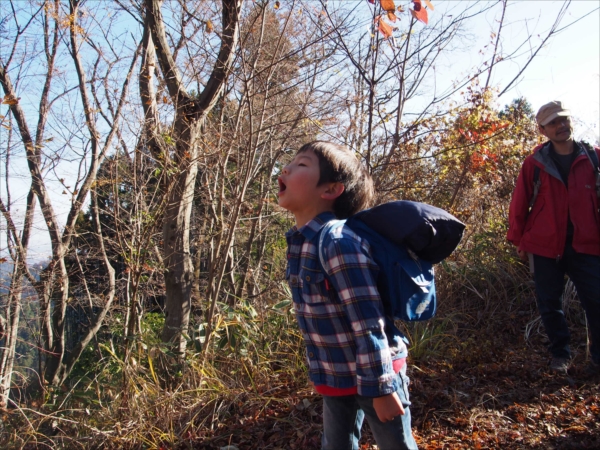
[{"x": 337, "y": 163}]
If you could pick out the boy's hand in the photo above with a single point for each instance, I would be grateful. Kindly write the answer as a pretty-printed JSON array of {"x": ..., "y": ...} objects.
[{"x": 388, "y": 407}]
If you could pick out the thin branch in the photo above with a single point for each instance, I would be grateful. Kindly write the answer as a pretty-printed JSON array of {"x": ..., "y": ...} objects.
[{"x": 552, "y": 32}]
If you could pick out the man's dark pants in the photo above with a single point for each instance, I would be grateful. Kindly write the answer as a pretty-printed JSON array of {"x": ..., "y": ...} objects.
[{"x": 584, "y": 271}]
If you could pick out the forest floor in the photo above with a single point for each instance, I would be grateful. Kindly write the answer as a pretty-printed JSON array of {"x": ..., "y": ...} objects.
[
  {"x": 492, "y": 391},
  {"x": 482, "y": 383}
]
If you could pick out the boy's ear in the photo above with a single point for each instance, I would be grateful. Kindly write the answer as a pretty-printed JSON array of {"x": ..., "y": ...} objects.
[{"x": 333, "y": 191}]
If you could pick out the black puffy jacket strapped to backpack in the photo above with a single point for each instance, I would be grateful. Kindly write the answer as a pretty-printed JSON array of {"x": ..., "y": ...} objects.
[{"x": 406, "y": 239}]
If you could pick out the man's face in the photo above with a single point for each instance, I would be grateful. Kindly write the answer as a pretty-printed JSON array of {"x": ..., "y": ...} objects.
[
  {"x": 298, "y": 190},
  {"x": 558, "y": 130}
]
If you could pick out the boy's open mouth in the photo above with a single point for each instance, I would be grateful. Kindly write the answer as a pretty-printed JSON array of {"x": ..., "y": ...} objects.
[{"x": 282, "y": 185}]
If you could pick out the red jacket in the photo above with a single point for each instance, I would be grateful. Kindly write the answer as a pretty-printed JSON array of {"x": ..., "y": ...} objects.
[{"x": 544, "y": 231}]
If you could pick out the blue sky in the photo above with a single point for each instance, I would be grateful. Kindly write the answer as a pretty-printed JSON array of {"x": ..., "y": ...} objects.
[{"x": 566, "y": 69}]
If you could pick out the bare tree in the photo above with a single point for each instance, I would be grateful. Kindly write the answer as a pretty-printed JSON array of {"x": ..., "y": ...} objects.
[
  {"x": 391, "y": 88},
  {"x": 263, "y": 116},
  {"x": 181, "y": 159},
  {"x": 61, "y": 31}
]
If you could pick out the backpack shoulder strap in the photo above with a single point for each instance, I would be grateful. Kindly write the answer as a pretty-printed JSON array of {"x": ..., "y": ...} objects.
[
  {"x": 591, "y": 154},
  {"x": 536, "y": 186},
  {"x": 593, "y": 157},
  {"x": 322, "y": 233}
]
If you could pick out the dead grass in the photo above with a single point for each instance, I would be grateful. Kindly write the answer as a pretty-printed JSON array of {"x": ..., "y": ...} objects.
[{"x": 479, "y": 380}]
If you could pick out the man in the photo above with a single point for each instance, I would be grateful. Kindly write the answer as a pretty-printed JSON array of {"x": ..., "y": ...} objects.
[{"x": 561, "y": 233}]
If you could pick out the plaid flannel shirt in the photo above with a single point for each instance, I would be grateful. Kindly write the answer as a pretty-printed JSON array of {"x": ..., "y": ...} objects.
[{"x": 349, "y": 341}]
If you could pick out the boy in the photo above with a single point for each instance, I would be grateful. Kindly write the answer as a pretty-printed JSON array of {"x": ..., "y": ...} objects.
[{"x": 356, "y": 356}]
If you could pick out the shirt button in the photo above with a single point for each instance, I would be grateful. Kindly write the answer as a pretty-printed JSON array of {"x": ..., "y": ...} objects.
[
  {"x": 311, "y": 355},
  {"x": 307, "y": 278}
]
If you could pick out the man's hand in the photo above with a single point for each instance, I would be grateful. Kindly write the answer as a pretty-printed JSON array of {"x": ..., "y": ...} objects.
[
  {"x": 388, "y": 407},
  {"x": 522, "y": 254}
]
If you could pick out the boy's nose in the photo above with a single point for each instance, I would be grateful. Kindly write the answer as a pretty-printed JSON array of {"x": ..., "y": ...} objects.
[{"x": 285, "y": 170}]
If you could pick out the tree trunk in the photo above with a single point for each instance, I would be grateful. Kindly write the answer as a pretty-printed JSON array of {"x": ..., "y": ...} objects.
[
  {"x": 190, "y": 113},
  {"x": 179, "y": 267}
]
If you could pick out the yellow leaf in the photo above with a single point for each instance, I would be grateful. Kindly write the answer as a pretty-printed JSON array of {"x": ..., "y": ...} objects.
[
  {"x": 429, "y": 5},
  {"x": 209, "y": 26},
  {"x": 277, "y": 5}
]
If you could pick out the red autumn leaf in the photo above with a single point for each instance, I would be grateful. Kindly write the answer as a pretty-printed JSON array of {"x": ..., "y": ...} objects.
[
  {"x": 388, "y": 5},
  {"x": 429, "y": 5},
  {"x": 417, "y": 5},
  {"x": 372, "y": 2},
  {"x": 420, "y": 14},
  {"x": 384, "y": 28}
]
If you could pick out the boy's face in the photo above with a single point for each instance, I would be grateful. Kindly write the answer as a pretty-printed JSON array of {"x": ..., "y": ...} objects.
[{"x": 298, "y": 190}]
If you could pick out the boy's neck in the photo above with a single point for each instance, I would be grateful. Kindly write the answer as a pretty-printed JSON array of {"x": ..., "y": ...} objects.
[{"x": 303, "y": 218}]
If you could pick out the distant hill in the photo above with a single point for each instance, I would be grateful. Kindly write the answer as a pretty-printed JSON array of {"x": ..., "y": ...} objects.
[{"x": 6, "y": 269}]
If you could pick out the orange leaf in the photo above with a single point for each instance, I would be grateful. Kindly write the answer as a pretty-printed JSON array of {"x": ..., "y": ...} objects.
[
  {"x": 429, "y": 5},
  {"x": 388, "y": 5},
  {"x": 10, "y": 100},
  {"x": 209, "y": 26},
  {"x": 391, "y": 16},
  {"x": 384, "y": 28},
  {"x": 420, "y": 14}
]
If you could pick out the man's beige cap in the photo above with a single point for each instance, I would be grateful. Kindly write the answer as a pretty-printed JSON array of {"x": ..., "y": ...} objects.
[{"x": 551, "y": 111}]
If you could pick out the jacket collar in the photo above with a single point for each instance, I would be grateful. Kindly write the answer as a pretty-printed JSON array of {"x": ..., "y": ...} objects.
[
  {"x": 543, "y": 157},
  {"x": 312, "y": 228}
]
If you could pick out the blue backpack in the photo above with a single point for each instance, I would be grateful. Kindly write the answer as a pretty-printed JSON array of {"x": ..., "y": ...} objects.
[{"x": 406, "y": 239}]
